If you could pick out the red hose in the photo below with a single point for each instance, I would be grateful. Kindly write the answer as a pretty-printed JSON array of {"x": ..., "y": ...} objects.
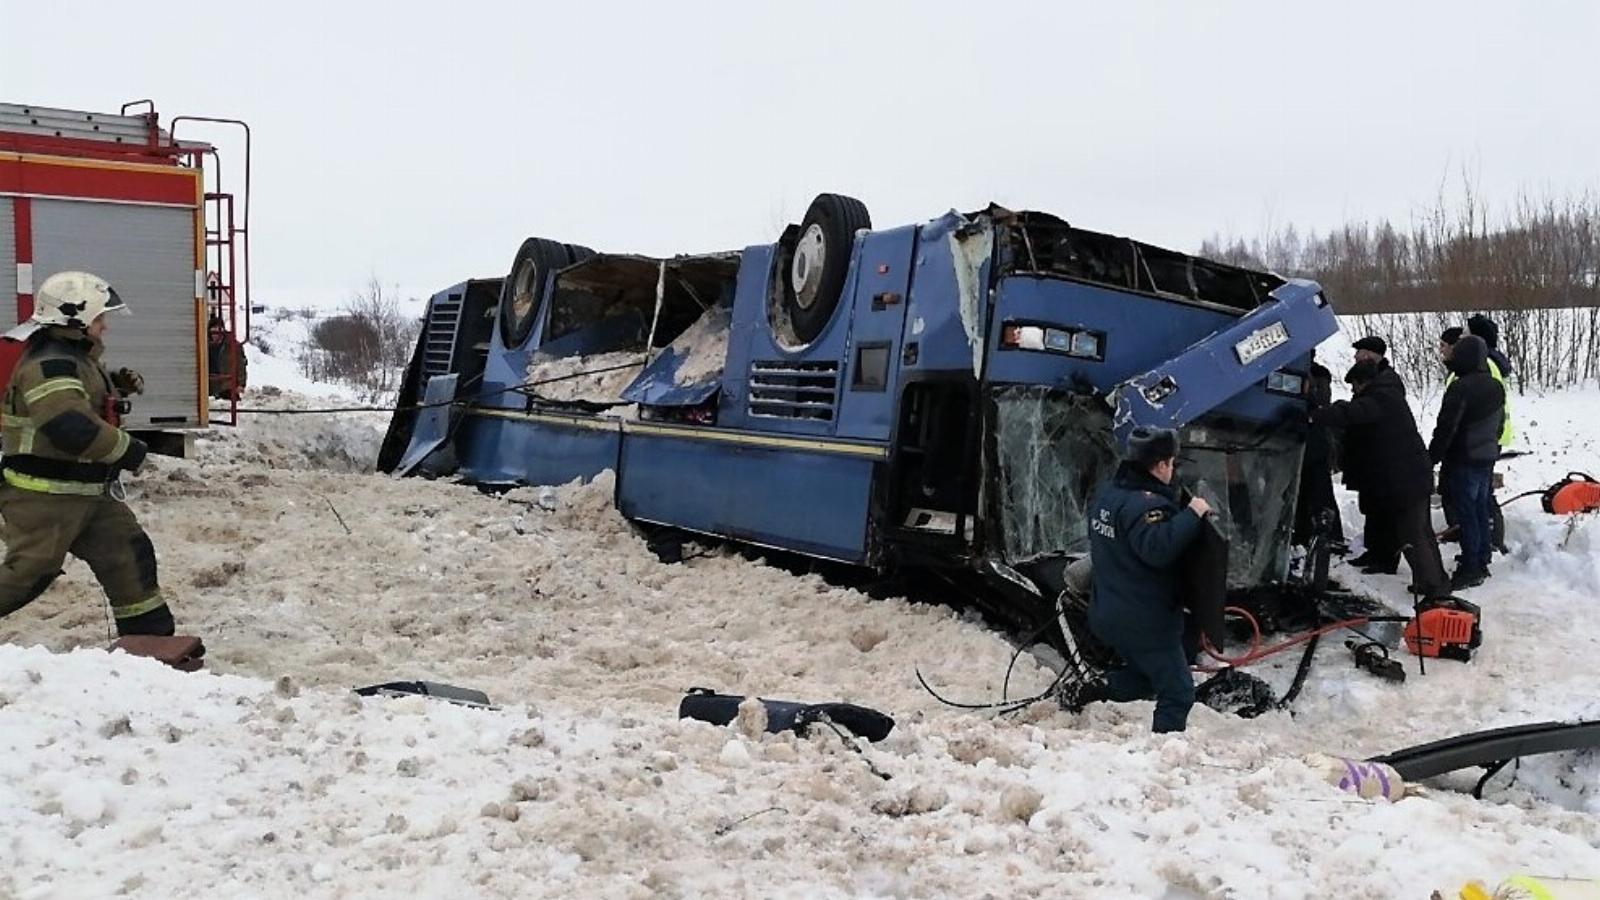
[{"x": 1258, "y": 652}]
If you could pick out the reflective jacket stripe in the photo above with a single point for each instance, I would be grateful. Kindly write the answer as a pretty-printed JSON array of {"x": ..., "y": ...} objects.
[
  {"x": 52, "y": 486},
  {"x": 117, "y": 449},
  {"x": 52, "y": 386},
  {"x": 22, "y": 426},
  {"x": 154, "y": 601}
]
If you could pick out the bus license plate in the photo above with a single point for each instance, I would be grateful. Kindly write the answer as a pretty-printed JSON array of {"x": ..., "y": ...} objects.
[{"x": 1251, "y": 348}]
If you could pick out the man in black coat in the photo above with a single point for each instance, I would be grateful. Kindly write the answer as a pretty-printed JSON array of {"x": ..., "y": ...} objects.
[
  {"x": 1452, "y": 531},
  {"x": 1387, "y": 465},
  {"x": 1500, "y": 367},
  {"x": 1466, "y": 443},
  {"x": 1137, "y": 532},
  {"x": 1316, "y": 468}
]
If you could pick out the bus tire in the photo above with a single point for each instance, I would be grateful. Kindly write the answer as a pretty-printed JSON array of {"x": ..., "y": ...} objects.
[
  {"x": 813, "y": 281},
  {"x": 522, "y": 293}
]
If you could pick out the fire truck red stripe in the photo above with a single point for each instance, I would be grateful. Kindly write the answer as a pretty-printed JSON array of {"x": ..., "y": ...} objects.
[
  {"x": 97, "y": 181},
  {"x": 22, "y": 218}
]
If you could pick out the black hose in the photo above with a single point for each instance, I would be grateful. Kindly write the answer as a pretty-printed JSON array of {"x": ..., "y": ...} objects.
[
  {"x": 1005, "y": 685},
  {"x": 1534, "y": 493},
  {"x": 1300, "y": 673},
  {"x": 1004, "y": 707}
]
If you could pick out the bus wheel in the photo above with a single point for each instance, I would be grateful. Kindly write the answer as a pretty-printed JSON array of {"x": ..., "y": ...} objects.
[
  {"x": 522, "y": 294},
  {"x": 815, "y": 279}
]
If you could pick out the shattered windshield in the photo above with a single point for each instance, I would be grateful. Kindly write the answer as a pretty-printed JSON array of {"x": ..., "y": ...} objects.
[
  {"x": 1251, "y": 481},
  {"x": 1051, "y": 450}
]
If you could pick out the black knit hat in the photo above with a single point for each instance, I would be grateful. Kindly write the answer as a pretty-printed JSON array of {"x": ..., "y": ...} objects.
[
  {"x": 1148, "y": 446},
  {"x": 1450, "y": 335},
  {"x": 1484, "y": 327},
  {"x": 1373, "y": 343}
]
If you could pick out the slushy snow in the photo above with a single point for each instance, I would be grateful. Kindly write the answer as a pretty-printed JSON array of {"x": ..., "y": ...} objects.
[{"x": 265, "y": 776}]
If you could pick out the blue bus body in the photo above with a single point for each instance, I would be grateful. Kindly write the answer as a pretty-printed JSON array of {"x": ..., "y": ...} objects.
[{"x": 955, "y": 411}]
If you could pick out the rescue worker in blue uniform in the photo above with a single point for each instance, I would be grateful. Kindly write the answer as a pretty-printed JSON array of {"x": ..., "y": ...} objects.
[{"x": 1137, "y": 531}]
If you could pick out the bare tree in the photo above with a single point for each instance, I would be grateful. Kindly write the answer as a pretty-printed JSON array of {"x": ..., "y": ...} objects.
[
  {"x": 1535, "y": 269},
  {"x": 366, "y": 345}
]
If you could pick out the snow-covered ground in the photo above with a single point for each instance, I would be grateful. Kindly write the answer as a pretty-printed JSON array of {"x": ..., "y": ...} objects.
[{"x": 264, "y": 776}]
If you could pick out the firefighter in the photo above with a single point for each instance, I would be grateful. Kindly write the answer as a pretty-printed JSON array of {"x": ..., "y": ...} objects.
[
  {"x": 1137, "y": 530},
  {"x": 63, "y": 454}
]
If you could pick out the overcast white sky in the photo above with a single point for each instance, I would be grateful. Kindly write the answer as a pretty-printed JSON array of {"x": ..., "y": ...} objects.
[{"x": 422, "y": 142}]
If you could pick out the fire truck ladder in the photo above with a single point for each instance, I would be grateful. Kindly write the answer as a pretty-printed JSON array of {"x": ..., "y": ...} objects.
[{"x": 227, "y": 278}]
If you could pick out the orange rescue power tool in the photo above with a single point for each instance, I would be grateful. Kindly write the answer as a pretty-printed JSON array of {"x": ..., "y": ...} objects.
[
  {"x": 1575, "y": 494},
  {"x": 1447, "y": 627}
]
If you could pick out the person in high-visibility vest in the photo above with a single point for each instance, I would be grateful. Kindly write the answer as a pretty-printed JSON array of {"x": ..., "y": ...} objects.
[
  {"x": 1500, "y": 368},
  {"x": 62, "y": 453}
]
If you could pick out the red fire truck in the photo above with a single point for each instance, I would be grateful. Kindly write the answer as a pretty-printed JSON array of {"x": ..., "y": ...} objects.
[{"x": 123, "y": 197}]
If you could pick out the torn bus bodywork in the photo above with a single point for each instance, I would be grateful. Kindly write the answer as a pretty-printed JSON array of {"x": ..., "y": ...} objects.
[{"x": 943, "y": 395}]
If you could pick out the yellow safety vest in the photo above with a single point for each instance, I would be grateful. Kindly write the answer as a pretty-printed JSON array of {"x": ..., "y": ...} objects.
[{"x": 1506, "y": 431}]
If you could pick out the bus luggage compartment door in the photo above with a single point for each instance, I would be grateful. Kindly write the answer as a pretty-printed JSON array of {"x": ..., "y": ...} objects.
[{"x": 878, "y": 312}]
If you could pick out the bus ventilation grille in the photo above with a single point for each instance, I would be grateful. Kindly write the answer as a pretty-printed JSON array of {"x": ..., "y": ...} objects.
[
  {"x": 439, "y": 342},
  {"x": 794, "y": 390}
]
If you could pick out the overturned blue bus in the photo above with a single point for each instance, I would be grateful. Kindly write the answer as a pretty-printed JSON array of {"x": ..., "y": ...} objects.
[{"x": 942, "y": 395}]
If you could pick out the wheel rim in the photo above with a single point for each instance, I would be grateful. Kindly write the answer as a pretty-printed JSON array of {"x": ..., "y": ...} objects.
[
  {"x": 805, "y": 273},
  {"x": 522, "y": 293}
]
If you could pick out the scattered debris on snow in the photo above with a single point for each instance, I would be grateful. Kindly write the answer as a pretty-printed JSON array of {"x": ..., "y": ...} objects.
[{"x": 265, "y": 773}]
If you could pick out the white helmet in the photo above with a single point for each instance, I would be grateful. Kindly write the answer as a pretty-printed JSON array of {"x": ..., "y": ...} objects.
[{"x": 73, "y": 298}]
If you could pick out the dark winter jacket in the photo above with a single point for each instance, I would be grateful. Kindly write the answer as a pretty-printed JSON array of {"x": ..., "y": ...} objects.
[
  {"x": 1382, "y": 452},
  {"x": 1137, "y": 532},
  {"x": 1473, "y": 410},
  {"x": 1321, "y": 440}
]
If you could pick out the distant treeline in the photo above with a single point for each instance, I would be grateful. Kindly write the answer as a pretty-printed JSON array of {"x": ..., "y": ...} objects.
[{"x": 1535, "y": 270}]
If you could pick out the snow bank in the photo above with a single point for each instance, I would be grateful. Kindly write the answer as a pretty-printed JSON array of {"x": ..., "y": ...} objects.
[
  {"x": 598, "y": 378},
  {"x": 274, "y": 789},
  {"x": 285, "y": 335},
  {"x": 263, "y": 772},
  {"x": 284, "y": 374},
  {"x": 279, "y": 431},
  {"x": 703, "y": 347}
]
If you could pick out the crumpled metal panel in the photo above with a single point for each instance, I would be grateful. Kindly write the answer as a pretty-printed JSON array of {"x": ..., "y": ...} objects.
[
  {"x": 1212, "y": 371},
  {"x": 688, "y": 371},
  {"x": 435, "y": 423}
]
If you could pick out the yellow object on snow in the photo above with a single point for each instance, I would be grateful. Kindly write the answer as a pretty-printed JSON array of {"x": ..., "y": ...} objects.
[{"x": 1527, "y": 887}]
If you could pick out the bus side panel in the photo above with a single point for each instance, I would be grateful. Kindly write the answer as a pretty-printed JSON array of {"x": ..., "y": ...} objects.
[
  {"x": 878, "y": 311},
  {"x": 499, "y": 450},
  {"x": 808, "y": 502},
  {"x": 948, "y": 303},
  {"x": 751, "y": 345}
]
